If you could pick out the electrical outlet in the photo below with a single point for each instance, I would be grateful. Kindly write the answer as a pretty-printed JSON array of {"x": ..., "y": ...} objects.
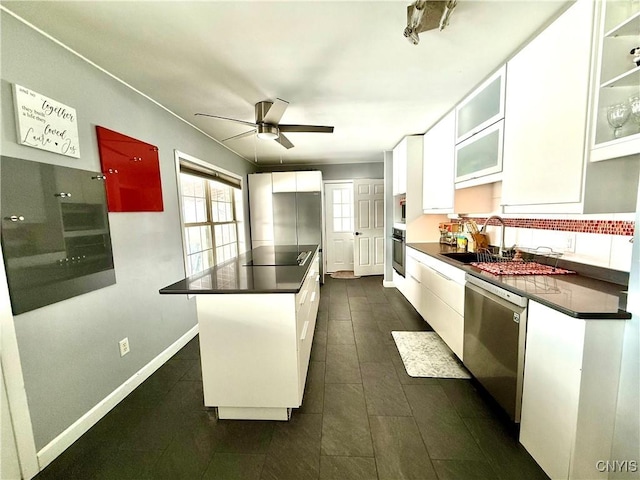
[
  {"x": 124, "y": 346},
  {"x": 570, "y": 246}
]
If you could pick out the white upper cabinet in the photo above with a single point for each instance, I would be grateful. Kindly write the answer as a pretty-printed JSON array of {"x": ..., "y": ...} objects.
[
  {"x": 400, "y": 168},
  {"x": 483, "y": 107},
  {"x": 546, "y": 113},
  {"x": 479, "y": 131},
  {"x": 284, "y": 182},
  {"x": 618, "y": 80},
  {"x": 479, "y": 158},
  {"x": 305, "y": 181},
  {"x": 309, "y": 181},
  {"x": 438, "y": 165}
]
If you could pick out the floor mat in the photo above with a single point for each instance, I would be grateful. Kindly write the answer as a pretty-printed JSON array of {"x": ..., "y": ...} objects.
[
  {"x": 344, "y": 274},
  {"x": 424, "y": 354}
]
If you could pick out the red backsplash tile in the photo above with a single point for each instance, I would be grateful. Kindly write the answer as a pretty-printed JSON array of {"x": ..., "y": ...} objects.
[{"x": 605, "y": 227}]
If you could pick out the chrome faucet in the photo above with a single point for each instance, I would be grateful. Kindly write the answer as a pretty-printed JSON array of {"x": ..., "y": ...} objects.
[{"x": 484, "y": 228}]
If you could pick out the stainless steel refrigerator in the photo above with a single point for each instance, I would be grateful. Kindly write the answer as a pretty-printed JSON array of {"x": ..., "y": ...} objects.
[{"x": 297, "y": 219}]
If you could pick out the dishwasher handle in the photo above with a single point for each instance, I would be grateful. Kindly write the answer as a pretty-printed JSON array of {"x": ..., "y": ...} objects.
[{"x": 520, "y": 309}]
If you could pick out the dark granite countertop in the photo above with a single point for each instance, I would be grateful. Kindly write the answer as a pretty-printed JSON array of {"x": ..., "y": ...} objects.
[
  {"x": 576, "y": 295},
  {"x": 277, "y": 272}
]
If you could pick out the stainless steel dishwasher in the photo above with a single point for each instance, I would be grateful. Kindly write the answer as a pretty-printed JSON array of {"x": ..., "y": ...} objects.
[{"x": 495, "y": 325}]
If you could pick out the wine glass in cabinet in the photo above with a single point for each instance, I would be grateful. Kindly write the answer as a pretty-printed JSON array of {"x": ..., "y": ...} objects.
[{"x": 617, "y": 79}]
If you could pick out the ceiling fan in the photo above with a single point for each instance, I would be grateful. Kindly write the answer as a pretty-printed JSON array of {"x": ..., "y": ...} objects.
[{"x": 266, "y": 126}]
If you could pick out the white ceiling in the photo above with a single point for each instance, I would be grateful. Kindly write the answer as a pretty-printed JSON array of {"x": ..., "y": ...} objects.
[{"x": 339, "y": 63}]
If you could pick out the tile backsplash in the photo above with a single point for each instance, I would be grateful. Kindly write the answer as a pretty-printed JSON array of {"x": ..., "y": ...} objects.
[
  {"x": 599, "y": 240},
  {"x": 601, "y": 226}
]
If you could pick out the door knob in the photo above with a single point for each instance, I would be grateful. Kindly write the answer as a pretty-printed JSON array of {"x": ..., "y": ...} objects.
[{"x": 357, "y": 233}]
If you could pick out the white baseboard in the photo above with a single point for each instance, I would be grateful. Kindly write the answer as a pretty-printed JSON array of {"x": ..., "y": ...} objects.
[
  {"x": 59, "y": 444},
  {"x": 388, "y": 284}
]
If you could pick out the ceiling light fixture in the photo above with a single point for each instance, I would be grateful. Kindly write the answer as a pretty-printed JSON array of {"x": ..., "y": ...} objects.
[
  {"x": 267, "y": 132},
  {"x": 423, "y": 15}
]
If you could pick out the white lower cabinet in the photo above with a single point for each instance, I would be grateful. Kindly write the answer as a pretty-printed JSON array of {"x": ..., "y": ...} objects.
[
  {"x": 436, "y": 291},
  {"x": 570, "y": 390},
  {"x": 307, "y": 302},
  {"x": 412, "y": 284},
  {"x": 255, "y": 349}
]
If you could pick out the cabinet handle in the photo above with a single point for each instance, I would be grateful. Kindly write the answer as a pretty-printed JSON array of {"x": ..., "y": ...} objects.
[
  {"x": 313, "y": 297},
  {"x": 318, "y": 278},
  {"x": 304, "y": 297},
  {"x": 415, "y": 278},
  {"x": 304, "y": 331},
  {"x": 99, "y": 177},
  {"x": 441, "y": 274},
  {"x": 15, "y": 218},
  {"x": 63, "y": 195},
  {"x": 113, "y": 170},
  {"x": 136, "y": 159}
]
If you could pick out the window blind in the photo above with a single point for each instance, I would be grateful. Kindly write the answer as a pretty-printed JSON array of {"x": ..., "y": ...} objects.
[{"x": 210, "y": 173}]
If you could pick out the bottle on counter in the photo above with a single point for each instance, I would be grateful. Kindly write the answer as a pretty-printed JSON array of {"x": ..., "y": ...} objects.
[{"x": 462, "y": 242}]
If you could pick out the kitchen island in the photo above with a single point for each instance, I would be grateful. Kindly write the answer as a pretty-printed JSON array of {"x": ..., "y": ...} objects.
[{"x": 256, "y": 318}]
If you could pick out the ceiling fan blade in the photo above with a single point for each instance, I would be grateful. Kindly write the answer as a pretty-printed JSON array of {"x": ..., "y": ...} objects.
[
  {"x": 226, "y": 118},
  {"x": 305, "y": 128},
  {"x": 241, "y": 135},
  {"x": 284, "y": 141},
  {"x": 275, "y": 112}
]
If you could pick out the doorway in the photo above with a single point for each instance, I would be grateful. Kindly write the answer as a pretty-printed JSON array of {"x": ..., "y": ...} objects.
[
  {"x": 369, "y": 227},
  {"x": 338, "y": 247},
  {"x": 354, "y": 210}
]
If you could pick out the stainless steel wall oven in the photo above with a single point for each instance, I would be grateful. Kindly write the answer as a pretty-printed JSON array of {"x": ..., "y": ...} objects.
[{"x": 399, "y": 258}]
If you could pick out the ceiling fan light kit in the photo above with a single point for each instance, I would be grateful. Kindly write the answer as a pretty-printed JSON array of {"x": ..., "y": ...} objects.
[
  {"x": 266, "y": 126},
  {"x": 267, "y": 132}
]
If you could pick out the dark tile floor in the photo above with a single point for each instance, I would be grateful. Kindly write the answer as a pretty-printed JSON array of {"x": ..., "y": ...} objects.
[{"x": 363, "y": 417}]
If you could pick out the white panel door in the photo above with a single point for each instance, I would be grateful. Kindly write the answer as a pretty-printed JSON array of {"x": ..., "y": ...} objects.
[
  {"x": 369, "y": 232},
  {"x": 338, "y": 247}
]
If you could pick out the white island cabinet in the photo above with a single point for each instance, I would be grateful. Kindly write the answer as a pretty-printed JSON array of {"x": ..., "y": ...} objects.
[
  {"x": 571, "y": 373},
  {"x": 255, "y": 348}
]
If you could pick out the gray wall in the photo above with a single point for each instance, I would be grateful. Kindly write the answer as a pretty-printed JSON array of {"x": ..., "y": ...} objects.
[
  {"x": 69, "y": 350},
  {"x": 341, "y": 171}
]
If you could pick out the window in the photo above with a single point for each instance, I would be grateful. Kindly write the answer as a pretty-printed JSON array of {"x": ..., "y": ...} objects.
[
  {"x": 210, "y": 218},
  {"x": 343, "y": 209}
]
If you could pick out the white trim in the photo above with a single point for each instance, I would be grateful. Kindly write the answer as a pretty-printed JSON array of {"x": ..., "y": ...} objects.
[
  {"x": 59, "y": 444},
  {"x": 95, "y": 65},
  {"x": 324, "y": 182},
  {"x": 388, "y": 284},
  {"x": 14, "y": 383},
  {"x": 214, "y": 168}
]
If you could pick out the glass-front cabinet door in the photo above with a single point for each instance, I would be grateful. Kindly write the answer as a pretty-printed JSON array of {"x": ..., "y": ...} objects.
[
  {"x": 616, "y": 126},
  {"x": 480, "y": 155},
  {"x": 482, "y": 108}
]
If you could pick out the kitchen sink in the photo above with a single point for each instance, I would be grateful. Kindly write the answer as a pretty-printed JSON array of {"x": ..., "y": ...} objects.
[{"x": 463, "y": 257}]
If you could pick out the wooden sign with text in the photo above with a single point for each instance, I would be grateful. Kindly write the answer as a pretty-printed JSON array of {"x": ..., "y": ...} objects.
[{"x": 44, "y": 123}]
